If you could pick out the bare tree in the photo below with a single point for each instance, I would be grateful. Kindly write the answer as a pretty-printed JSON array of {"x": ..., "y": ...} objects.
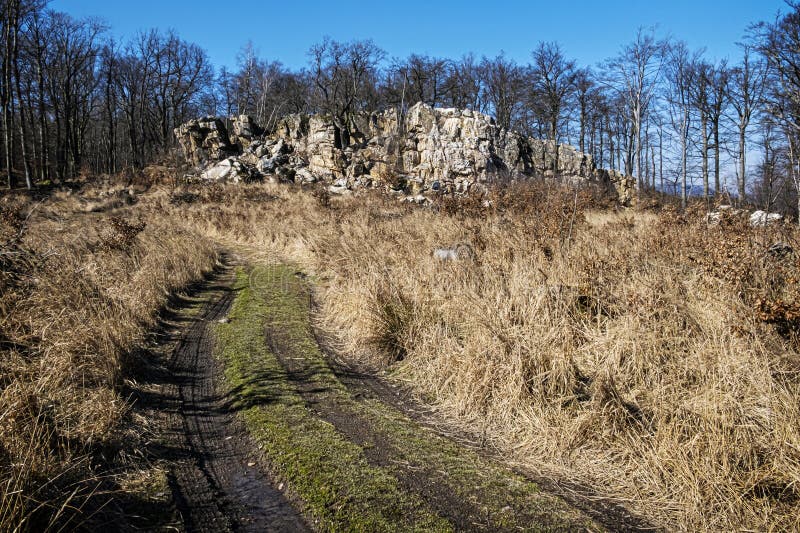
[
  {"x": 681, "y": 77},
  {"x": 745, "y": 91},
  {"x": 635, "y": 74},
  {"x": 699, "y": 90},
  {"x": 553, "y": 77},
  {"x": 717, "y": 80},
  {"x": 419, "y": 79},
  {"x": 8, "y": 24},
  {"x": 779, "y": 44},
  {"x": 463, "y": 85},
  {"x": 586, "y": 94},
  {"x": 344, "y": 77},
  {"x": 503, "y": 82}
]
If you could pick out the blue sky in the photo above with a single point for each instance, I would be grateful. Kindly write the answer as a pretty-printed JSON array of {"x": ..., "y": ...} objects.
[{"x": 284, "y": 30}]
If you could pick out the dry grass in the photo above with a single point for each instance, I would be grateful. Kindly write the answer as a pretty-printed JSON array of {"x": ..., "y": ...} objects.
[
  {"x": 78, "y": 293},
  {"x": 647, "y": 354}
]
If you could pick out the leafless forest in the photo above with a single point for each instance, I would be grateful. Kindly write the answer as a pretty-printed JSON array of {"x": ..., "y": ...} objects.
[{"x": 76, "y": 100}]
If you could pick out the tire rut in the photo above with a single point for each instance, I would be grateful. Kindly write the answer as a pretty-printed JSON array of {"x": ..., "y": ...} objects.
[
  {"x": 216, "y": 482},
  {"x": 364, "y": 384},
  {"x": 430, "y": 483},
  {"x": 426, "y": 480}
]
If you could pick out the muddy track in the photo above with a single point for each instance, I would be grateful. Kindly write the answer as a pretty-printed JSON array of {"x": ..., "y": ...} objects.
[
  {"x": 608, "y": 513},
  {"x": 365, "y": 384},
  {"x": 466, "y": 514},
  {"x": 378, "y": 448},
  {"x": 220, "y": 477},
  {"x": 216, "y": 481}
]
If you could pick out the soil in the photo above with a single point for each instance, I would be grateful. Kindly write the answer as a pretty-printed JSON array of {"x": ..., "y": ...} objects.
[
  {"x": 220, "y": 482},
  {"x": 216, "y": 477}
]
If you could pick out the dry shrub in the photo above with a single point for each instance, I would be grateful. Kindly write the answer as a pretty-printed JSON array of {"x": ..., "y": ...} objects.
[
  {"x": 183, "y": 197},
  {"x": 120, "y": 234},
  {"x": 323, "y": 196},
  {"x": 463, "y": 206},
  {"x": 392, "y": 318}
]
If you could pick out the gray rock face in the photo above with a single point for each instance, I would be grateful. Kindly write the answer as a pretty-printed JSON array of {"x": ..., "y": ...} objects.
[
  {"x": 759, "y": 219},
  {"x": 427, "y": 150},
  {"x": 243, "y": 131},
  {"x": 204, "y": 139},
  {"x": 230, "y": 169}
]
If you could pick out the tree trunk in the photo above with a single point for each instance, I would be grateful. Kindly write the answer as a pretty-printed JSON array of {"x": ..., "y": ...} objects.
[
  {"x": 44, "y": 133},
  {"x": 742, "y": 163},
  {"x": 716, "y": 156},
  {"x": 637, "y": 150},
  {"x": 6, "y": 94},
  {"x": 684, "y": 161},
  {"x": 661, "y": 159},
  {"x": 583, "y": 126},
  {"x": 22, "y": 129},
  {"x": 554, "y": 137},
  {"x": 602, "y": 154},
  {"x": 653, "y": 166},
  {"x": 704, "y": 132}
]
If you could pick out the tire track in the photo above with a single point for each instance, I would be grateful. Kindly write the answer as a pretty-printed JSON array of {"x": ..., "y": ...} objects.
[{"x": 215, "y": 480}]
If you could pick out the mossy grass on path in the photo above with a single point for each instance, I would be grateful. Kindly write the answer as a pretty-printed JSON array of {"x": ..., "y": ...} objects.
[
  {"x": 358, "y": 462},
  {"x": 340, "y": 490}
]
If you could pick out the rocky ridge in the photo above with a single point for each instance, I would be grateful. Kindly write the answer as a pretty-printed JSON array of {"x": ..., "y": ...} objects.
[{"x": 427, "y": 150}]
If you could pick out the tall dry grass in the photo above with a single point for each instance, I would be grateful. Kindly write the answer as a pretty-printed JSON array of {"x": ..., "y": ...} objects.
[
  {"x": 647, "y": 354},
  {"x": 644, "y": 353},
  {"x": 79, "y": 291}
]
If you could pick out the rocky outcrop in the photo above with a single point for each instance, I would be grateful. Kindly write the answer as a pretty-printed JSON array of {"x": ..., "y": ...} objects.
[
  {"x": 204, "y": 140},
  {"x": 757, "y": 219},
  {"x": 428, "y": 149}
]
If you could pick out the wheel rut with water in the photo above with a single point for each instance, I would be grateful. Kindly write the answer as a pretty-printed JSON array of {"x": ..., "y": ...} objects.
[{"x": 216, "y": 478}]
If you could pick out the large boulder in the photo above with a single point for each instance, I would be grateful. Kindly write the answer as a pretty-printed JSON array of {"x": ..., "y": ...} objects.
[
  {"x": 230, "y": 169},
  {"x": 204, "y": 139},
  {"x": 759, "y": 219}
]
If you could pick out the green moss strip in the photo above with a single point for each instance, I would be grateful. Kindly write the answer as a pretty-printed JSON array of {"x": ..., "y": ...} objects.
[
  {"x": 340, "y": 489},
  {"x": 506, "y": 499}
]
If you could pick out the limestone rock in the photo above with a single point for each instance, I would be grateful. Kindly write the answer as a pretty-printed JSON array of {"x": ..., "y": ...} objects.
[
  {"x": 219, "y": 171},
  {"x": 230, "y": 169},
  {"x": 243, "y": 131},
  {"x": 426, "y": 149},
  {"x": 760, "y": 218},
  {"x": 334, "y": 189},
  {"x": 204, "y": 139},
  {"x": 303, "y": 175},
  {"x": 456, "y": 252},
  {"x": 715, "y": 217}
]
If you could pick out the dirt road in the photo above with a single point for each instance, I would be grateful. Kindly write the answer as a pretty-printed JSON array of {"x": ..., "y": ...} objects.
[
  {"x": 263, "y": 432},
  {"x": 216, "y": 481}
]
